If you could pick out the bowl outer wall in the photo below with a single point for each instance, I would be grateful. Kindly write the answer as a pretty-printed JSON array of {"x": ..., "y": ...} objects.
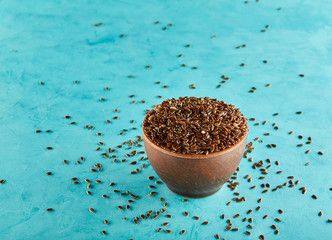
[{"x": 194, "y": 175}]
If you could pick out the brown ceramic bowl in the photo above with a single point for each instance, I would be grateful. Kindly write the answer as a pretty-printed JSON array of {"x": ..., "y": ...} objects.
[{"x": 194, "y": 175}]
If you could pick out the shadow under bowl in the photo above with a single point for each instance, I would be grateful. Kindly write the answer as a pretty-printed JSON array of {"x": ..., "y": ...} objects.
[{"x": 194, "y": 175}]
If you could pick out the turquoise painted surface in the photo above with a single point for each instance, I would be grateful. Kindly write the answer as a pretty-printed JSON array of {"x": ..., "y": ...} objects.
[{"x": 55, "y": 42}]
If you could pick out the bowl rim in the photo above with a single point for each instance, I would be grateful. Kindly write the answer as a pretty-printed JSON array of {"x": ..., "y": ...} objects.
[{"x": 196, "y": 156}]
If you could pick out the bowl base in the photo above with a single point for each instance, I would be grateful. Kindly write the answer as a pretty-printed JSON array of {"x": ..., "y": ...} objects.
[{"x": 195, "y": 196}]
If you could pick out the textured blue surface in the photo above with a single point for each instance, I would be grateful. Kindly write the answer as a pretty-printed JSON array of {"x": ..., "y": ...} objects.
[{"x": 56, "y": 42}]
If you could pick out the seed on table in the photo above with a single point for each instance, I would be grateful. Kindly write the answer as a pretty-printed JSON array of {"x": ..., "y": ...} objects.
[
  {"x": 75, "y": 182},
  {"x": 236, "y": 215},
  {"x": 185, "y": 213},
  {"x": 277, "y": 220},
  {"x": 301, "y": 75},
  {"x": 329, "y": 220},
  {"x": 104, "y": 232},
  {"x": 169, "y": 216},
  {"x": 314, "y": 196},
  {"x": 320, "y": 214},
  {"x": 195, "y": 217},
  {"x": 168, "y": 231},
  {"x": 320, "y": 153},
  {"x": 248, "y": 233},
  {"x": 258, "y": 208},
  {"x": 261, "y": 237},
  {"x": 280, "y": 211},
  {"x": 217, "y": 236},
  {"x": 49, "y": 173},
  {"x": 182, "y": 232},
  {"x": 49, "y": 209},
  {"x": 91, "y": 210},
  {"x": 265, "y": 216},
  {"x": 205, "y": 223},
  {"x": 250, "y": 220},
  {"x": 49, "y": 148},
  {"x": 276, "y": 231},
  {"x": 234, "y": 229},
  {"x": 159, "y": 229},
  {"x": 249, "y": 226}
]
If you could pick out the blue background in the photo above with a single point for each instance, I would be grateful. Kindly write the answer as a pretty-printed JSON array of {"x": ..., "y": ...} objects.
[{"x": 56, "y": 42}]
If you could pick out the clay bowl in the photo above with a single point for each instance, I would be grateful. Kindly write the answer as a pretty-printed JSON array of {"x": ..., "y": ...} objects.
[{"x": 194, "y": 175}]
